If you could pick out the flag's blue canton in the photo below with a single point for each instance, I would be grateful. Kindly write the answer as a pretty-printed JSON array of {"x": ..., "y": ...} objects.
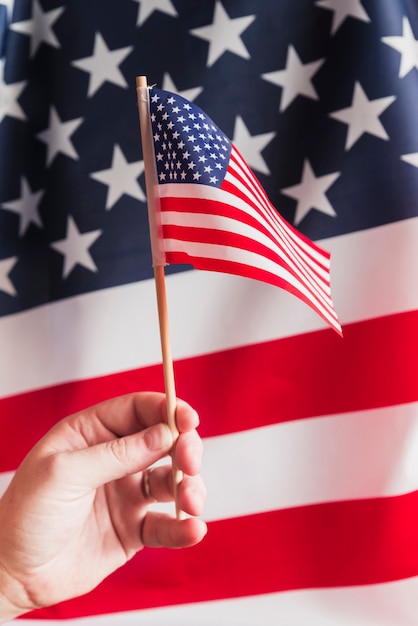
[
  {"x": 319, "y": 97},
  {"x": 189, "y": 147}
]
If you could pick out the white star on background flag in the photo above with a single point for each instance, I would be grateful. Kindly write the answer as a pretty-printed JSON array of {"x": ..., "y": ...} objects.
[
  {"x": 363, "y": 116},
  {"x": 26, "y": 207},
  {"x": 189, "y": 94},
  {"x": 147, "y": 7},
  {"x": 57, "y": 136},
  {"x": 251, "y": 146},
  {"x": 412, "y": 158},
  {"x": 310, "y": 193},
  {"x": 407, "y": 45},
  {"x": 6, "y": 266},
  {"x": 295, "y": 79},
  {"x": 103, "y": 65},
  {"x": 343, "y": 9},
  {"x": 9, "y": 95},
  {"x": 39, "y": 28},
  {"x": 224, "y": 34},
  {"x": 121, "y": 178},
  {"x": 75, "y": 248}
]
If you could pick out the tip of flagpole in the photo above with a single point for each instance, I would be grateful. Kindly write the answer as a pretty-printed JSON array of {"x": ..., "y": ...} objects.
[{"x": 141, "y": 81}]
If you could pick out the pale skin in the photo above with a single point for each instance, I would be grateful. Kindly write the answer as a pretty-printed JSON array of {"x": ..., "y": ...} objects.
[{"x": 76, "y": 510}]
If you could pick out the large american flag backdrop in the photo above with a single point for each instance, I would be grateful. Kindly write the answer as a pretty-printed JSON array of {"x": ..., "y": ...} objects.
[{"x": 311, "y": 441}]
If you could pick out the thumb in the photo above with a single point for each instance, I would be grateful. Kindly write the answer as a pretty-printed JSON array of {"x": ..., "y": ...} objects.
[{"x": 119, "y": 457}]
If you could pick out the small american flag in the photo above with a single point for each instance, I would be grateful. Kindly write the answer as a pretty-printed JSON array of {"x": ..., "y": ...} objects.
[{"x": 213, "y": 213}]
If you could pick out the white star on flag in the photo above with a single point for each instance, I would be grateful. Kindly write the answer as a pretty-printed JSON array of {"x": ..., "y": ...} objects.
[
  {"x": 343, "y": 9},
  {"x": 310, "y": 193},
  {"x": 103, "y": 65},
  {"x": 57, "y": 136},
  {"x": 121, "y": 178},
  {"x": 39, "y": 28},
  {"x": 295, "y": 79},
  {"x": 224, "y": 34},
  {"x": 6, "y": 266},
  {"x": 147, "y": 7},
  {"x": 26, "y": 207},
  {"x": 75, "y": 248},
  {"x": 251, "y": 146},
  {"x": 407, "y": 45},
  {"x": 9, "y": 95},
  {"x": 363, "y": 116}
]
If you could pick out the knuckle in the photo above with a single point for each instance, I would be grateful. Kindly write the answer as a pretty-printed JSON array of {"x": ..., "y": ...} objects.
[
  {"x": 53, "y": 468},
  {"x": 120, "y": 450}
]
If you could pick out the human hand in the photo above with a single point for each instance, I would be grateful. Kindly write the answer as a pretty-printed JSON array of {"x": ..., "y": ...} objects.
[{"x": 76, "y": 509}]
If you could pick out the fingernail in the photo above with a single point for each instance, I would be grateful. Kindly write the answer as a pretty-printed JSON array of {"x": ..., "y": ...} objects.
[{"x": 158, "y": 437}]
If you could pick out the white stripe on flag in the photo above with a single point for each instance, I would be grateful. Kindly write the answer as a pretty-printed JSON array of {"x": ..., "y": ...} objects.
[
  {"x": 194, "y": 192},
  {"x": 375, "y": 273},
  {"x": 272, "y": 219},
  {"x": 221, "y": 223},
  {"x": 248, "y": 472}
]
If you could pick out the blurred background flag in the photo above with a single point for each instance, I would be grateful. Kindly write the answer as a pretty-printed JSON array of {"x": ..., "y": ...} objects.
[{"x": 311, "y": 443}]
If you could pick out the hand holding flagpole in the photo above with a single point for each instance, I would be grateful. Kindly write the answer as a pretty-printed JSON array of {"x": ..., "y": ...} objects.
[
  {"x": 207, "y": 209},
  {"x": 158, "y": 259}
]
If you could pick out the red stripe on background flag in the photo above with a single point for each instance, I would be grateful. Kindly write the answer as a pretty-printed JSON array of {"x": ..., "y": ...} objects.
[
  {"x": 327, "y": 545},
  {"x": 371, "y": 368}
]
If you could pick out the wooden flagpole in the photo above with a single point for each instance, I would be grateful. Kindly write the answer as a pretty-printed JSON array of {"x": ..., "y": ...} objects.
[{"x": 158, "y": 264}]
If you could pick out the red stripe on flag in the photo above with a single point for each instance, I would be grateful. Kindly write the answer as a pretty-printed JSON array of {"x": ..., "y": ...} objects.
[
  {"x": 229, "y": 266},
  {"x": 327, "y": 545},
  {"x": 240, "y": 173},
  {"x": 211, "y": 207},
  {"x": 308, "y": 257},
  {"x": 372, "y": 367},
  {"x": 215, "y": 236}
]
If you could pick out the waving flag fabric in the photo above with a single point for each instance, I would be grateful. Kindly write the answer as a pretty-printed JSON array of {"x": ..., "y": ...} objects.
[
  {"x": 311, "y": 442},
  {"x": 212, "y": 212}
]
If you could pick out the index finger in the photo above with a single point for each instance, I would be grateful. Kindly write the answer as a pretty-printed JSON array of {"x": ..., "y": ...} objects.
[{"x": 128, "y": 414}]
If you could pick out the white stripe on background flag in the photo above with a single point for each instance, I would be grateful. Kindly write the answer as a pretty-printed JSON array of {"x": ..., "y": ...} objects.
[
  {"x": 374, "y": 273},
  {"x": 5, "y": 478},
  {"x": 248, "y": 472},
  {"x": 389, "y": 604}
]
